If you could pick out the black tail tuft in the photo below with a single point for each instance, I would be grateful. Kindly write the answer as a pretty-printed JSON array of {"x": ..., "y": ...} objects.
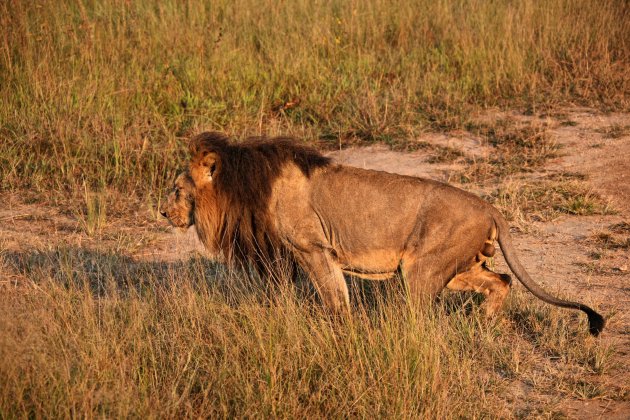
[{"x": 596, "y": 322}]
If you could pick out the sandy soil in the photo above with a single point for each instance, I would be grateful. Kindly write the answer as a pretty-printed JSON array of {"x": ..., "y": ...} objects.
[{"x": 559, "y": 253}]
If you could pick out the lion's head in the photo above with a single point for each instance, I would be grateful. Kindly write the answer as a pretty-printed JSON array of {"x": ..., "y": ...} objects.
[
  {"x": 233, "y": 186},
  {"x": 179, "y": 206}
]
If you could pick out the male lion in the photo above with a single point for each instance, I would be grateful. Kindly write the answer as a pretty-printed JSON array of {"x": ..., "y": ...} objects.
[
  {"x": 259, "y": 198},
  {"x": 180, "y": 203}
]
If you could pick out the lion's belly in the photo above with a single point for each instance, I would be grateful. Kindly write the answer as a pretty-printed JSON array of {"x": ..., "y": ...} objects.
[
  {"x": 370, "y": 276},
  {"x": 371, "y": 265}
]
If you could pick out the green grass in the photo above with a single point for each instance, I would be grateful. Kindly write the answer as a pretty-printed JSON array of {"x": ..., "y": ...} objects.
[
  {"x": 105, "y": 93},
  {"x": 517, "y": 147},
  {"x": 96, "y": 334},
  {"x": 547, "y": 199}
]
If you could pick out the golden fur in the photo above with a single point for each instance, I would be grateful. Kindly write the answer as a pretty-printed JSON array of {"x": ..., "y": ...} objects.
[
  {"x": 234, "y": 221},
  {"x": 268, "y": 199},
  {"x": 179, "y": 206}
]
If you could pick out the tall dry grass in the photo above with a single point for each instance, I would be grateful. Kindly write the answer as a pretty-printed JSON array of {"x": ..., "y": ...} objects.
[
  {"x": 100, "y": 96},
  {"x": 104, "y": 92},
  {"x": 93, "y": 334}
]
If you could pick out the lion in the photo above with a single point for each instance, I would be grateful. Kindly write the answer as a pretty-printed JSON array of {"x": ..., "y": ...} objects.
[
  {"x": 179, "y": 206},
  {"x": 267, "y": 198}
]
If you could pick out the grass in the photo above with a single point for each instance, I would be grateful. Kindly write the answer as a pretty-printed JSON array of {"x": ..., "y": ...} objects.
[
  {"x": 445, "y": 154},
  {"x": 516, "y": 147},
  {"x": 615, "y": 131},
  {"x": 94, "y": 216},
  {"x": 95, "y": 334},
  {"x": 616, "y": 236},
  {"x": 547, "y": 199},
  {"x": 97, "y": 100},
  {"x": 105, "y": 93}
]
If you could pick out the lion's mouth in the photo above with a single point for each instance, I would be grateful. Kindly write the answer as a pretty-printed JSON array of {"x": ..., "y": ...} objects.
[{"x": 179, "y": 224}]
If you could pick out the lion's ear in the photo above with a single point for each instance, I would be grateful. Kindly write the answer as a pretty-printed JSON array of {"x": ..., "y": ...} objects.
[
  {"x": 211, "y": 163},
  {"x": 205, "y": 168}
]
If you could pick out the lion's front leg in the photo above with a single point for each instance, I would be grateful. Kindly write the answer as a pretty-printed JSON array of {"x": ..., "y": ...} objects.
[{"x": 327, "y": 278}]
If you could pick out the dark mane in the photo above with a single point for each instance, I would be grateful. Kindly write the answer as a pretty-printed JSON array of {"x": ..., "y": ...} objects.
[{"x": 243, "y": 188}]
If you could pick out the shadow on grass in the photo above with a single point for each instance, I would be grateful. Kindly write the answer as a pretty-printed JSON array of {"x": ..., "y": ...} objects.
[
  {"x": 104, "y": 272},
  {"x": 377, "y": 305}
]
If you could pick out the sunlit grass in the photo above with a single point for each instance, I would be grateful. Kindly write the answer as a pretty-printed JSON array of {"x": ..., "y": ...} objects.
[
  {"x": 97, "y": 334},
  {"x": 546, "y": 199},
  {"x": 97, "y": 100},
  {"x": 107, "y": 92}
]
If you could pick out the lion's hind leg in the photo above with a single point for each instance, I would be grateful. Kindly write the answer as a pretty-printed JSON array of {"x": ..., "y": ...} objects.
[
  {"x": 423, "y": 278},
  {"x": 479, "y": 279}
]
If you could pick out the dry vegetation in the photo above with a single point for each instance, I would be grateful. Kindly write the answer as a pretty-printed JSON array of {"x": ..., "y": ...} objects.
[
  {"x": 102, "y": 92},
  {"x": 96, "y": 102},
  {"x": 96, "y": 334},
  {"x": 545, "y": 200}
]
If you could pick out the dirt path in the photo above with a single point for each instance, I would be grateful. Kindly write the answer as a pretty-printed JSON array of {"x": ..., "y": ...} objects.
[{"x": 585, "y": 256}]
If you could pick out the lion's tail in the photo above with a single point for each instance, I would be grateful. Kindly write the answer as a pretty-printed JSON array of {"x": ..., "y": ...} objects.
[{"x": 595, "y": 321}]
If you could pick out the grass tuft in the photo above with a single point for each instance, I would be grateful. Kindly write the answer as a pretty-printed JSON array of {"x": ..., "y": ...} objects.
[
  {"x": 546, "y": 200},
  {"x": 615, "y": 131},
  {"x": 95, "y": 217}
]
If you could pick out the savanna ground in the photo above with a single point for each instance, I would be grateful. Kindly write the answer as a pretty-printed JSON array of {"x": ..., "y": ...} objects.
[{"x": 106, "y": 312}]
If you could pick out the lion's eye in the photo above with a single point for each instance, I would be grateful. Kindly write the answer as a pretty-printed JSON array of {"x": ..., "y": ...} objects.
[{"x": 176, "y": 192}]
